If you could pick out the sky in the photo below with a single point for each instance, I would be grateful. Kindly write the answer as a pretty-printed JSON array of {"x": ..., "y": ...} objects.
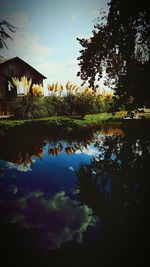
[{"x": 46, "y": 34}]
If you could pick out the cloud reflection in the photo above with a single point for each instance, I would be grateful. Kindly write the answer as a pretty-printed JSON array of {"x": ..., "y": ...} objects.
[
  {"x": 57, "y": 219},
  {"x": 19, "y": 167}
]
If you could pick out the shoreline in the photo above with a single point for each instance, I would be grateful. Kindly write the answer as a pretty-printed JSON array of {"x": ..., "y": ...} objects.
[{"x": 72, "y": 123}]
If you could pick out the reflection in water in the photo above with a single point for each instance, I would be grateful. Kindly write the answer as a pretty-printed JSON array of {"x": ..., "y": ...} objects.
[
  {"x": 59, "y": 189},
  {"x": 24, "y": 167},
  {"x": 117, "y": 179},
  {"x": 58, "y": 218},
  {"x": 22, "y": 153}
]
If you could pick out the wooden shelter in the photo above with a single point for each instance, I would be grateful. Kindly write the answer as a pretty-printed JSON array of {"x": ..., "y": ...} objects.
[{"x": 14, "y": 67}]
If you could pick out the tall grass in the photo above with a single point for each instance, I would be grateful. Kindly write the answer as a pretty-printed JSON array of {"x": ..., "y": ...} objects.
[
  {"x": 70, "y": 100},
  {"x": 28, "y": 107}
]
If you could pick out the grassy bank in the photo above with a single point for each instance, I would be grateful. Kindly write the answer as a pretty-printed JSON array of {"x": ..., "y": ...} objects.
[
  {"x": 66, "y": 122},
  {"x": 89, "y": 120}
]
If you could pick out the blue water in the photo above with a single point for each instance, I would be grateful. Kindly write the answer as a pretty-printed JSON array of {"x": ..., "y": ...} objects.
[
  {"x": 82, "y": 195},
  {"x": 50, "y": 173}
]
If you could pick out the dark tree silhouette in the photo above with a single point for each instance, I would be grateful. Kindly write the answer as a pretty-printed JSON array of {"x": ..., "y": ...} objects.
[
  {"x": 116, "y": 187},
  {"x": 5, "y": 28},
  {"x": 121, "y": 45},
  {"x": 107, "y": 184}
]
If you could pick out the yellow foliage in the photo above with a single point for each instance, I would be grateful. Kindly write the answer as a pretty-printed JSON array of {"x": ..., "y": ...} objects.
[
  {"x": 89, "y": 91},
  {"x": 111, "y": 132},
  {"x": 72, "y": 87},
  {"x": 15, "y": 82},
  {"x": 58, "y": 87},
  {"x": 26, "y": 84},
  {"x": 55, "y": 87},
  {"x": 37, "y": 89},
  {"x": 49, "y": 87},
  {"x": 109, "y": 95},
  {"x": 39, "y": 153},
  {"x": 106, "y": 95},
  {"x": 68, "y": 85}
]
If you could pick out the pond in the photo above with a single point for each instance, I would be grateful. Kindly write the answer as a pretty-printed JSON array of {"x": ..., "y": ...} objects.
[{"x": 74, "y": 197}]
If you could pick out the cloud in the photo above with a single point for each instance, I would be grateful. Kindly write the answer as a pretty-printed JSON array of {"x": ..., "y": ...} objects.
[
  {"x": 59, "y": 71},
  {"x": 29, "y": 47},
  {"x": 13, "y": 189},
  {"x": 88, "y": 151},
  {"x": 19, "y": 167},
  {"x": 25, "y": 44},
  {"x": 56, "y": 219},
  {"x": 18, "y": 19},
  {"x": 71, "y": 168}
]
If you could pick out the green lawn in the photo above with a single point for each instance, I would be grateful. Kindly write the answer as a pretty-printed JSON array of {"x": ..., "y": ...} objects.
[
  {"x": 89, "y": 120},
  {"x": 69, "y": 123}
]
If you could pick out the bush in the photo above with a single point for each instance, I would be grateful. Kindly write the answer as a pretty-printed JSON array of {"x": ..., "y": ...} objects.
[
  {"x": 56, "y": 105},
  {"x": 70, "y": 105},
  {"x": 71, "y": 101},
  {"x": 29, "y": 107},
  {"x": 80, "y": 104}
]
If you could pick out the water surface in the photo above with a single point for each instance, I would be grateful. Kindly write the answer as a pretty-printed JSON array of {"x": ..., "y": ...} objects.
[{"x": 77, "y": 196}]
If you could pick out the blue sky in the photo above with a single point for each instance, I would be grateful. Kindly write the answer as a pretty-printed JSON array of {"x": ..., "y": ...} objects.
[{"x": 47, "y": 31}]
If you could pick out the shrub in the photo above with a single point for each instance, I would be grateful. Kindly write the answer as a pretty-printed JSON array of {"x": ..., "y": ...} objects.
[
  {"x": 70, "y": 104},
  {"x": 29, "y": 107},
  {"x": 80, "y": 104},
  {"x": 56, "y": 105},
  {"x": 70, "y": 101}
]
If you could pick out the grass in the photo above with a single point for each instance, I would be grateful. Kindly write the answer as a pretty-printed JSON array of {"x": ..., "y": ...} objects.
[
  {"x": 89, "y": 120},
  {"x": 64, "y": 121}
]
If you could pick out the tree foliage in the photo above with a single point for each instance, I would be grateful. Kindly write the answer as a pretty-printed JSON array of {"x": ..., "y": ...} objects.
[
  {"x": 5, "y": 29},
  {"x": 120, "y": 45}
]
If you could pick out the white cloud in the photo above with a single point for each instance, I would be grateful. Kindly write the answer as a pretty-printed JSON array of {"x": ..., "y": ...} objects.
[
  {"x": 71, "y": 168},
  {"x": 88, "y": 151},
  {"x": 61, "y": 72},
  {"x": 25, "y": 44},
  {"x": 28, "y": 47},
  {"x": 19, "y": 167},
  {"x": 18, "y": 19},
  {"x": 56, "y": 219}
]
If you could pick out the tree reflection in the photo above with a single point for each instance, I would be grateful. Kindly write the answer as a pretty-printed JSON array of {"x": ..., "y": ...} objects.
[
  {"x": 115, "y": 183},
  {"x": 20, "y": 146},
  {"x": 114, "y": 187}
]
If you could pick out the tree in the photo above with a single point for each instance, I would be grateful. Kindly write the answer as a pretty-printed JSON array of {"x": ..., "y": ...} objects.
[
  {"x": 121, "y": 45},
  {"x": 4, "y": 35}
]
